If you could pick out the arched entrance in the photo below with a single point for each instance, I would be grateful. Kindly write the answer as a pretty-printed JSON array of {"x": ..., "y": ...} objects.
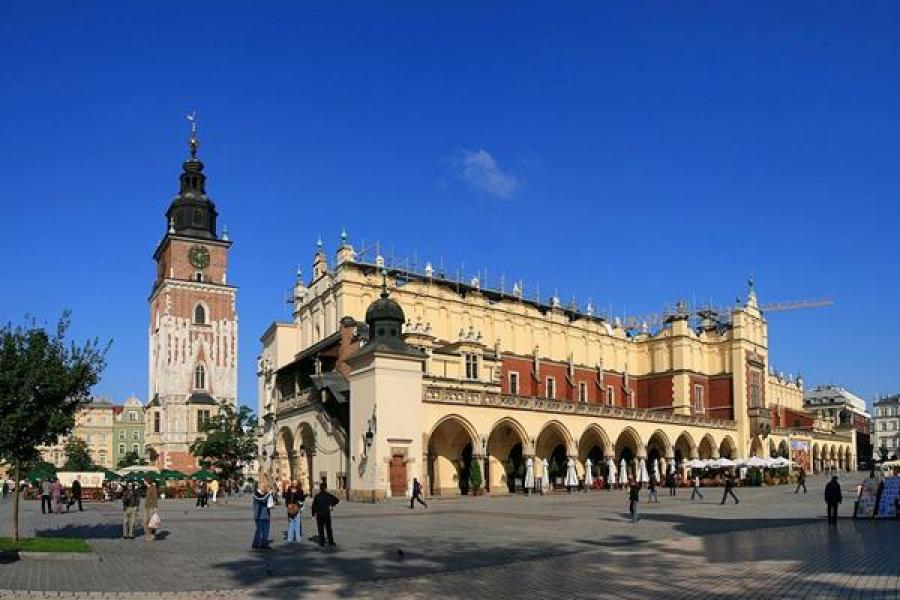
[
  {"x": 783, "y": 451},
  {"x": 658, "y": 449},
  {"x": 594, "y": 445},
  {"x": 727, "y": 448},
  {"x": 450, "y": 454},
  {"x": 707, "y": 448},
  {"x": 284, "y": 451},
  {"x": 552, "y": 445},
  {"x": 505, "y": 462},
  {"x": 628, "y": 448},
  {"x": 685, "y": 448},
  {"x": 756, "y": 447},
  {"x": 306, "y": 452}
]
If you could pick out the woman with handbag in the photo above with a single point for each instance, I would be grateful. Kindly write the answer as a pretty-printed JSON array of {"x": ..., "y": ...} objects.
[
  {"x": 262, "y": 506},
  {"x": 293, "y": 499},
  {"x": 151, "y": 511}
]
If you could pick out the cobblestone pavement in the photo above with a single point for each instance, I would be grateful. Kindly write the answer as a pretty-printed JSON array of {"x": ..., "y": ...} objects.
[{"x": 774, "y": 544}]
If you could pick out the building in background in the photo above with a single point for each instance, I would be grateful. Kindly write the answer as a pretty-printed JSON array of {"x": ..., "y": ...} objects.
[
  {"x": 94, "y": 424},
  {"x": 886, "y": 426},
  {"x": 385, "y": 374},
  {"x": 128, "y": 430},
  {"x": 193, "y": 334},
  {"x": 844, "y": 409}
]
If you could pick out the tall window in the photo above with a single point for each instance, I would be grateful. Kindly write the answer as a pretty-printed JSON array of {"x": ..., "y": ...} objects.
[
  {"x": 551, "y": 388},
  {"x": 121, "y": 448},
  {"x": 200, "y": 378},
  {"x": 471, "y": 366},
  {"x": 199, "y": 315},
  {"x": 134, "y": 448},
  {"x": 513, "y": 383},
  {"x": 610, "y": 395},
  {"x": 698, "y": 399},
  {"x": 202, "y": 419},
  {"x": 582, "y": 391},
  {"x": 755, "y": 389},
  {"x": 135, "y": 435},
  {"x": 121, "y": 435},
  {"x": 156, "y": 422}
]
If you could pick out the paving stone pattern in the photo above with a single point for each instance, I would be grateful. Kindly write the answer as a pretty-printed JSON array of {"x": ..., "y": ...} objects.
[{"x": 774, "y": 544}]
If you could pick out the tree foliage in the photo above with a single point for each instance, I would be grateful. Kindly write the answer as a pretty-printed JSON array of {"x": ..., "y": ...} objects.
[
  {"x": 475, "y": 475},
  {"x": 229, "y": 441},
  {"x": 78, "y": 456},
  {"x": 132, "y": 458},
  {"x": 44, "y": 380}
]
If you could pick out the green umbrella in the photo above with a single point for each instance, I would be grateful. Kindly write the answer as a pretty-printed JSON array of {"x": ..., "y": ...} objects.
[
  {"x": 111, "y": 475},
  {"x": 39, "y": 474},
  {"x": 170, "y": 474},
  {"x": 204, "y": 475}
]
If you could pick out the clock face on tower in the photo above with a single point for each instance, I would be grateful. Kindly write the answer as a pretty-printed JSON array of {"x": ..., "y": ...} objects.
[{"x": 199, "y": 256}]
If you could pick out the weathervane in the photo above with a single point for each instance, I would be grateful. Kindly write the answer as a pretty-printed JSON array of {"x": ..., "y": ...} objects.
[{"x": 192, "y": 118}]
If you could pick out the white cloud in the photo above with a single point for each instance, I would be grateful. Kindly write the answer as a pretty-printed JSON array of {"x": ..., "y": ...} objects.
[{"x": 480, "y": 170}]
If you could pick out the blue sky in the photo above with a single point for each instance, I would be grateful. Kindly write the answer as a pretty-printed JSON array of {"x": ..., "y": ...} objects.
[{"x": 632, "y": 153}]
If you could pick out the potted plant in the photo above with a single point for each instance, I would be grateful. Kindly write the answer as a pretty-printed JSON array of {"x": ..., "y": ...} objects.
[{"x": 475, "y": 480}]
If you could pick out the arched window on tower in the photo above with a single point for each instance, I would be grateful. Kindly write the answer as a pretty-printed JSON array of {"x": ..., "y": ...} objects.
[
  {"x": 200, "y": 378},
  {"x": 199, "y": 315},
  {"x": 198, "y": 276}
]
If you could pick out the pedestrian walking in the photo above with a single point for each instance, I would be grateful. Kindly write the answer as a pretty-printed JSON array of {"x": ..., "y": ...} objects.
[
  {"x": 46, "y": 489},
  {"x": 4, "y": 489},
  {"x": 833, "y": 497},
  {"x": 151, "y": 510},
  {"x": 670, "y": 482},
  {"x": 56, "y": 493},
  {"x": 729, "y": 489},
  {"x": 76, "y": 493},
  {"x": 652, "y": 496},
  {"x": 321, "y": 510},
  {"x": 294, "y": 498},
  {"x": 214, "y": 489},
  {"x": 801, "y": 480},
  {"x": 695, "y": 489},
  {"x": 131, "y": 501},
  {"x": 634, "y": 497},
  {"x": 416, "y": 494},
  {"x": 262, "y": 506},
  {"x": 202, "y": 495}
]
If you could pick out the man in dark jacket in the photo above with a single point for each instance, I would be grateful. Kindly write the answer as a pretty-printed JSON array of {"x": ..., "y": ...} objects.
[
  {"x": 729, "y": 489},
  {"x": 321, "y": 510},
  {"x": 416, "y": 494},
  {"x": 634, "y": 497},
  {"x": 670, "y": 482},
  {"x": 76, "y": 494},
  {"x": 833, "y": 497}
]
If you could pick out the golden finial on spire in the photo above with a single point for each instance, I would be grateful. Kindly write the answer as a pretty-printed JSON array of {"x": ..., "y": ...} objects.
[{"x": 194, "y": 142}]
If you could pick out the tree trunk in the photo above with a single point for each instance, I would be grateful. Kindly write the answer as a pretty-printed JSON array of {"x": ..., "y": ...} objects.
[{"x": 15, "y": 528}]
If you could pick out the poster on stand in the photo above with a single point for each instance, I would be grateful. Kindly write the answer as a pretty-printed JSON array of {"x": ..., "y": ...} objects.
[
  {"x": 800, "y": 454},
  {"x": 887, "y": 506},
  {"x": 865, "y": 504}
]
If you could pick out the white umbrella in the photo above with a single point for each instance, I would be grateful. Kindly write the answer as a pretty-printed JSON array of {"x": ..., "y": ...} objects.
[
  {"x": 611, "y": 466},
  {"x": 781, "y": 462},
  {"x": 545, "y": 480},
  {"x": 529, "y": 475},
  {"x": 721, "y": 463},
  {"x": 643, "y": 477},
  {"x": 571, "y": 474},
  {"x": 588, "y": 476},
  {"x": 755, "y": 461},
  {"x": 696, "y": 463},
  {"x": 656, "y": 470},
  {"x": 623, "y": 472}
]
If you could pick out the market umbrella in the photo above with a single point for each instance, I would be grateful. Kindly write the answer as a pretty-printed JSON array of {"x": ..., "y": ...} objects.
[
  {"x": 656, "y": 470},
  {"x": 781, "y": 462},
  {"x": 588, "y": 476},
  {"x": 172, "y": 474},
  {"x": 206, "y": 475},
  {"x": 756, "y": 461},
  {"x": 623, "y": 472},
  {"x": 111, "y": 475},
  {"x": 643, "y": 477},
  {"x": 571, "y": 475},
  {"x": 611, "y": 467},
  {"x": 40, "y": 473},
  {"x": 545, "y": 480},
  {"x": 529, "y": 475},
  {"x": 697, "y": 463}
]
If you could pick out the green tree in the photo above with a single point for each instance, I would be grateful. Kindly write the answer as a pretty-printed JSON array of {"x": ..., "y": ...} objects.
[
  {"x": 229, "y": 441},
  {"x": 44, "y": 380},
  {"x": 475, "y": 475},
  {"x": 132, "y": 458},
  {"x": 78, "y": 456}
]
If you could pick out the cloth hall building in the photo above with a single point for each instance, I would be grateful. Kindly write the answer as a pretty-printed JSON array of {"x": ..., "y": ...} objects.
[{"x": 384, "y": 375}]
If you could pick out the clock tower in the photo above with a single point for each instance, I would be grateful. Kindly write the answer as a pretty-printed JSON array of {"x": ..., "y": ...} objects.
[{"x": 193, "y": 334}]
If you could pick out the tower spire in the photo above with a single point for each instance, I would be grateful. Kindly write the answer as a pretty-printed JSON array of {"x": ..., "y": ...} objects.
[{"x": 194, "y": 142}]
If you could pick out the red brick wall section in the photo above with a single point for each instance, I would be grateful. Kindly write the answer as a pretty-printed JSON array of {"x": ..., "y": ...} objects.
[
  {"x": 654, "y": 392},
  {"x": 785, "y": 417},
  {"x": 720, "y": 403}
]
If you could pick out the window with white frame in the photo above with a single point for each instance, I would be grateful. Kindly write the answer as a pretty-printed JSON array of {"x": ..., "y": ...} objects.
[
  {"x": 121, "y": 448},
  {"x": 471, "y": 366},
  {"x": 582, "y": 391},
  {"x": 121, "y": 435},
  {"x": 135, "y": 435},
  {"x": 514, "y": 383},
  {"x": 551, "y": 388},
  {"x": 200, "y": 378},
  {"x": 698, "y": 399},
  {"x": 610, "y": 395},
  {"x": 156, "y": 422}
]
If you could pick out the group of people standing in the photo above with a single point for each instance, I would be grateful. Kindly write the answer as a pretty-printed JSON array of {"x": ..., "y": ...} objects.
[
  {"x": 54, "y": 496},
  {"x": 131, "y": 503},
  {"x": 294, "y": 499}
]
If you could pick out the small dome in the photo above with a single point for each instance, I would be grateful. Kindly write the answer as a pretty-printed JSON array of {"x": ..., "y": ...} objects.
[{"x": 384, "y": 309}]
